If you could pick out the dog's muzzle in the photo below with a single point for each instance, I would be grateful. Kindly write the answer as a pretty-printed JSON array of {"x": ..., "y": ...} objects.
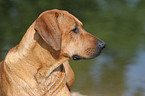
[{"x": 91, "y": 52}]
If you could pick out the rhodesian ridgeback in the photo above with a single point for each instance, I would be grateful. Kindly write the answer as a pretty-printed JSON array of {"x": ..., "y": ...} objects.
[{"x": 38, "y": 65}]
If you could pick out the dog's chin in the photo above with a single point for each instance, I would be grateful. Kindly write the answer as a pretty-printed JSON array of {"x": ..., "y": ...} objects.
[{"x": 78, "y": 57}]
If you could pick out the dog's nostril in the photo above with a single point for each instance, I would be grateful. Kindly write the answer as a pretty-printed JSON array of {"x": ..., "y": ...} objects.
[{"x": 102, "y": 45}]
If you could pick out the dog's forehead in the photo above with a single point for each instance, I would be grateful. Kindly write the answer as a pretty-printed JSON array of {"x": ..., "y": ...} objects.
[{"x": 73, "y": 17}]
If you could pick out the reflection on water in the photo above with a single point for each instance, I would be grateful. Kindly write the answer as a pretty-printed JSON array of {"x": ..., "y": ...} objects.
[
  {"x": 119, "y": 70},
  {"x": 135, "y": 80}
]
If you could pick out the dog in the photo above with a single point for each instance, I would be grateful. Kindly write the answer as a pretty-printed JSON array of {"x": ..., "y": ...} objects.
[{"x": 38, "y": 65}]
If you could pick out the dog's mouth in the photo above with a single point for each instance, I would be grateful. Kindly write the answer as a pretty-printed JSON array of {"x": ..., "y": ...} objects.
[
  {"x": 91, "y": 54},
  {"x": 78, "y": 57}
]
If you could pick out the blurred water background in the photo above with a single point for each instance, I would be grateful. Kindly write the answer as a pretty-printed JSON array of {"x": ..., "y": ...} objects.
[{"x": 120, "y": 69}]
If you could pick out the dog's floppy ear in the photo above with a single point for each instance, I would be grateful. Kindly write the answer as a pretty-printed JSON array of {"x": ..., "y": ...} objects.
[{"x": 48, "y": 28}]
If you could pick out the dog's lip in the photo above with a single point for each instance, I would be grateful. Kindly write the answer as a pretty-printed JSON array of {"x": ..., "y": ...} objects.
[{"x": 78, "y": 57}]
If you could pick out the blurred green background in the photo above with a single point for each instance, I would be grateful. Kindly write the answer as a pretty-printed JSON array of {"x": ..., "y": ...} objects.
[{"x": 120, "y": 69}]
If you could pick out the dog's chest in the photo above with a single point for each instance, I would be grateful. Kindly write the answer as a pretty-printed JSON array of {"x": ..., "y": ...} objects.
[{"x": 53, "y": 83}]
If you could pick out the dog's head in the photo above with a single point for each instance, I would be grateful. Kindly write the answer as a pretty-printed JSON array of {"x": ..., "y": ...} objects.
[{"x": 64, "y": 33}]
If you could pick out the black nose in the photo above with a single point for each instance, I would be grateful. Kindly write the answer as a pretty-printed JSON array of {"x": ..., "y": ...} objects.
[{"x": 101, "y": 44}]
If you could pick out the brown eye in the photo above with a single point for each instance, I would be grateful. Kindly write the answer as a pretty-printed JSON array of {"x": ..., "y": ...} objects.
[{"x": 76, "y": 30}]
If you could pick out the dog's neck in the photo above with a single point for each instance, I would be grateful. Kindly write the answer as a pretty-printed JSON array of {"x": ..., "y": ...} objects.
[
  {"x": 35, "y": 60},
  {"x": 34, "y": 50}
]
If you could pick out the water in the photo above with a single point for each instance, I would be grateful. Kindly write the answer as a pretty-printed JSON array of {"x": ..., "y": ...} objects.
[
  {"x": 119, "y": 70},
  {"x": 134, "y": 75},
  {"x": 108, "y": 80}
]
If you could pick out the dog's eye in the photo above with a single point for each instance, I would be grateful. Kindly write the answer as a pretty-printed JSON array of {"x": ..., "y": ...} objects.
[{"x": 76, "y": 30}]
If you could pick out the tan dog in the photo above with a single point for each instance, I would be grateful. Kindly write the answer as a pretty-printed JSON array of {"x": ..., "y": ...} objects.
[{"x": 39, "y": 66}]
